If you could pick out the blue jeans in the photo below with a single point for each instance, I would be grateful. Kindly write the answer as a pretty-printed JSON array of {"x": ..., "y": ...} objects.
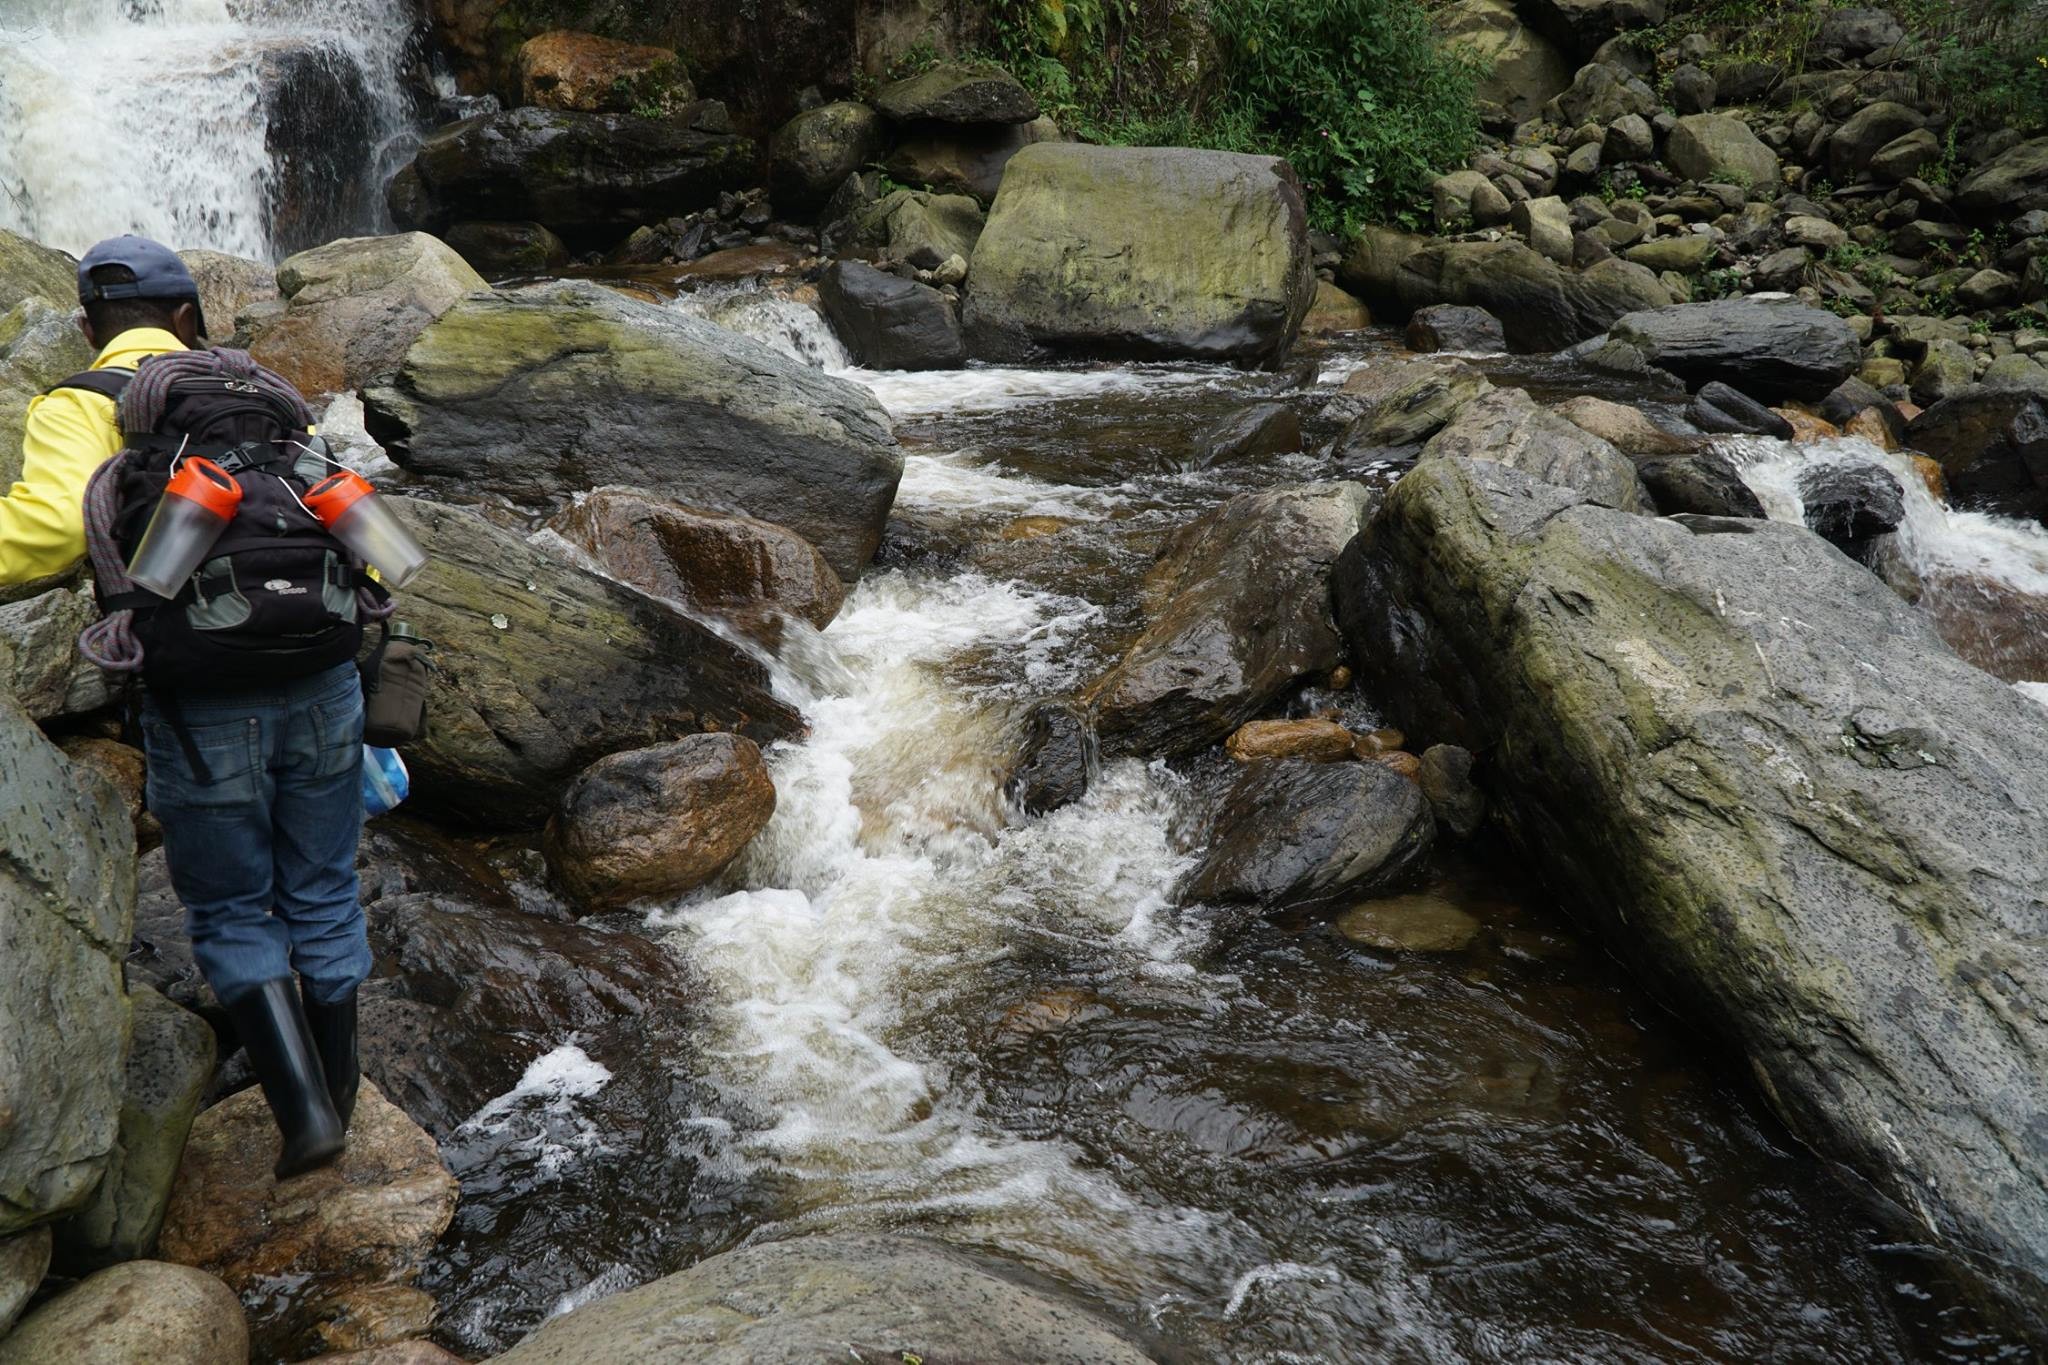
[{"x": 263, "y": 856}]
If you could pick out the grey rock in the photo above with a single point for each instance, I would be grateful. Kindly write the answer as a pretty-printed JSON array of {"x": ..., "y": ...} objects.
[
  {"x": 39, "y": 344},
  {"x": 803, "y": 1301},
  {"x": 1256, "y": 432},
  {"x": 1507, "y": 427},
  {"x": 1815, "y": 831},
  {"x": 538, "y": 393},
  {"x": 1056, "y": 761},
  {"x": 1601, "y": 93},
  {"x": 1698, "y": 483},
  {"x": 953, "y": 92},
  {"x": 41, "y": 664},
  {"x": 1446, "y": 780},
  {"x": 2016, "y": 372},
  {"x": 1581, "y": 26},
  {"x": 2012, "y": 183},
  {"x": 141, "y": 1310},
  {"x": 1922, "y": 236},
  {"x": 1289, "y": 835},
  {"x": 1692, "y": 90},
  {"x": 1524, "y": 69},
  {"x": 1817, "y": 233},
  {"x": 1784, "y": 270},
  {"x": 1857, "y": 31},
  {"x": 1945, "y": 370},
  {"x": 1728, "y": 411},
  {"x": 812, "y": 154},
  {"x": 1408, "y": 404},
  {"x": 1905, "y": 156},
  {"x": 1987, "y": 289},
  {"x": 961, "y": 159},
  {"x": 1454, "y": 327},
  {"x": 890, "y": 323},
  {"x": 1850, "y": 505},
  {"x": 1466, "y": 199},
  {"x": 1871, "y": 128},
  {"x": 1237, "y": 612},
  {"x": 921, "y": 228},
  {"x": 1720, "y": 147},
  {"x": 1628, "y": 139},
  {"x": 1772, "y": 350},
  {"x": 24, "y": 1260}
]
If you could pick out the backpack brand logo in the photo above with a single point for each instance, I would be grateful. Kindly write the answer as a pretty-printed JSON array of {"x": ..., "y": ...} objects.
[{"x": 283, "y": 587}]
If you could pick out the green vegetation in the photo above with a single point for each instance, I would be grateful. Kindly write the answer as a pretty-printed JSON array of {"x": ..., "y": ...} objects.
[{"x": 1356, "y": 94}]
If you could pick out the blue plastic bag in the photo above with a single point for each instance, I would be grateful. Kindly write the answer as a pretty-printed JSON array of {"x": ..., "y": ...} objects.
[{"x": 385, "y": 781}]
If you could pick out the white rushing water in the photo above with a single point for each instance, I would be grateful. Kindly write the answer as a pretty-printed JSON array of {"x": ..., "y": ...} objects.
[{"x": 153, "y": 116}]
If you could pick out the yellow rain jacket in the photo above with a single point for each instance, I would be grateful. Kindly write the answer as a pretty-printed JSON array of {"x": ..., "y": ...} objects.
[{"x": 69, "y": 434}]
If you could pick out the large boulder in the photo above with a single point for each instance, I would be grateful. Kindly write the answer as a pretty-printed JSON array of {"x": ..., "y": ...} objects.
[
  {"x": 917, "y": 226},
  {"x": 228, "y": 285},
  {"x": 750, "y": 574},
  {"x": 1239, "y": 610},
  {"x": 658, "y": 823},
  {"x": 798, "y": 1302},
  {"x": 1155, "y": 252},
  {"x": 498, "y": 250},
  {"x": 953, "y": 92},
  {"x": 890, "y": 323},
  {"x": 951, "y": 159},
  {"x": 1720, "y": 147},
  {"x": 1524, "y": 69},
  {"x": 30, "y": 270},
  {"x": 546, "y": 391},
  {"x": 1864, "y": 134},
  {"x": 1582, "y": 26},
  {"x": 67, "y": 900},
  {"x": 326, "y": 1259},
  {"x": 1993, "y": 448},
  {"x": 1771, "y": 350},
  {"x": 813, "y": 153},
  {"x": 355, "y": 305},
  {"x": 169, "y": 1067},
  {"x": 542, "y": 669},
  {"x": 142, "y": 1310},
  {"x": 1294, "y": 835},
  {"x": 590, "y": 177},
  {"x": 24, "y": 1260},
  {"x": 39, "y": 344},
  {"x": 564, "y": 69},
  {"x": 2011, "y": 183},
  {"x": 1507, "y": 427},
  {"x": 1808, "y": 823}
]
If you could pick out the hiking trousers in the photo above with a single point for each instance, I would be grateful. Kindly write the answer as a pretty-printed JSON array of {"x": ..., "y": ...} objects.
[{"x": 263, "y": 856}]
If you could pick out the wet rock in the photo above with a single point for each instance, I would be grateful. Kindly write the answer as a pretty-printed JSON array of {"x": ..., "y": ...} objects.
[
  {"x": 1398, "y": 761},
  {"x": 1334, "y": 311},
  {"x": 67, "y": 900},
  {"x": 1701, "y": 483},
  {"x": 814, "y": 152},
  {"x": 925, "y": 230},
  {"x": 39, "y": 344},
  {"x": 143, "y": 1310},
  {"x": 2012, "y": 183},
  {"x": 1814, "y": 832},
  {"x": 1852, "y": 145},
  {"x": 1628, "y": 429},
  {"x": 326, "y": 1258},
  {"x": 169, "y": 1065},
  {"x": 590, "y": 177},
  {"x": 1410, "y": 924},
  {"x": 542, "y": 669},
  {"x": 354, "y": 306},
  {"x": 24, "y": 1259},
  {"x": 545, "y": 391},
  {"x": 1057, "y": 759},
  {"x": 953, "y": 92},
  {"x": 797, "y": 1302},
  {"x": 228, "y": 285},
  {"x": 1993, "y": 448},
  {"x": 1524, "y": 69},
  {"x": 397, "y": 1353},
  {"x": 1256, "y": 432},
  {"x": 1141, "y": 252},
  {"x": 1850, "y": 505},
  {"x": 1450, "y": 327},
  {"x": 1407, "y": 404},
  {"x": 1807, "y": 429},
  {"x": 1296, "y": 836},
  {"x": 1315, "y": 741},
  {"x": 1507, "y": 426},
  {"x": 1771, "y": 350},
  {"x": 1445, "y": 777},
  {"x": 751, "y": 574},
  {"x": 1720, "y": 147},
  {"x": 952, "y": 159},
  {"x": 1719, "y": 408},
  {"x": 593, "y": 75},
  {"x": 890, "y": 323},
  {"x": 1238, "y": 611},
  {"x": 657, "y": 823},
  {"x": 501, "y": 250},
  {"x": 1881, "y": 426}
]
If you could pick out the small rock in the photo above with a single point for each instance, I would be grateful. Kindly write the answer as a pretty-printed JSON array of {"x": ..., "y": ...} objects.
[
  {"x": 1035, "y": 528},
  {"x": 1905, "y": 157},
  {"x": 1948, "y": 369},
  {"x": 1335, "y": 311},
  {"x": 1683, "y": 254},
  {"x": 137, "y": 1311},
  {"x": 1784, "y": 271},
  {"x": 1818, "y": 233},
  {"x": 1317, "y": 741},
  {"x": 1692, "y": 90},
  {"x": 1379, "y": 742},
  {"x": 1445, "y": 777},
  {"x": 24, "y": 1260},
  {"x": 1410, "y": 924},
  {"x": 1340, "y": 678},
  {"x": 2016, "y": 373},
  {"x": 1547, "y": 225},
  {"x": 1628, "y": 139},
  {"x": 1628, "y": 429},
  {"x": 397, "y": 1353},
  {"x": 1701, "y": 483},
  {"x": 890, "y": 323},
  {"x": 1057, "y": 761},
  {"x": 1807, "y": 428},
  {"x": 1987, "y": 289},
  {"x": 1720, "y": 408},
  {"x": 659, "y": 822},
  {"x": 1455, "y": 327},
  {"x": 1256, "y": 432},
  {"x": 1400, "y": 761},
  {"x": 1849, "y": 505}
]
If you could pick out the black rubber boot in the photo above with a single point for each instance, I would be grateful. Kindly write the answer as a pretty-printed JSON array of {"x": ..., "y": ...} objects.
[
  {"x": 334, "y": 1039},
  {"x": 280, "y": 1046}
]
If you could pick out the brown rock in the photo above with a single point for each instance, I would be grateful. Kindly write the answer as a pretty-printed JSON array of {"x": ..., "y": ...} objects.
[
  {"x": 581, "y": 71},
  {"x": 1318, "y": 741},
  {"x": 1335, "y": 311},
  {"x": 331, "y": 1255},
  {"x": 227, "y": 285},
  {"x": 1035, "y": 528},
  {"x": 658, "y": 822},
  {"x": 1340, "y": 678},
  {"x": 136, "y": 1311},
  {"x": 118, "y": 763},
  {"x": 1410, "y": 924},
  {"x": 1379, "y": 742},
  {"x": 1628, "y": 429},
  {"x": 1933, "y": 475},
  {"x": 751, "y": 573},
  {"x": 1055, "y": 1010},
  {"x": 1807, "y": 428},
  {"x": 1401, "y": 761},
  {"x": 1872, "y": 427},
  {"x": 398, "y": 1353}
]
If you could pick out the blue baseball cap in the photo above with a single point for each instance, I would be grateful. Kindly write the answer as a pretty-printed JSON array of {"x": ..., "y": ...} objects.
[{"x": 159, "y": 274}]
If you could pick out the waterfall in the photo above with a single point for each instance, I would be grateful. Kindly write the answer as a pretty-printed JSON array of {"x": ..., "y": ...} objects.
[{"x": 257, "y": 127}]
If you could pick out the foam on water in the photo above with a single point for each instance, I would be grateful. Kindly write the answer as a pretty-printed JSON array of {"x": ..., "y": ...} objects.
[
  {"x": 787, "y": 325},
  {"x": 538, "y": 1120}
]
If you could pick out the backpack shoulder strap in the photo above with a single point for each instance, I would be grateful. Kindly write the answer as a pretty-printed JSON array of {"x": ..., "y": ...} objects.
[{"x": 109, "y": 384}]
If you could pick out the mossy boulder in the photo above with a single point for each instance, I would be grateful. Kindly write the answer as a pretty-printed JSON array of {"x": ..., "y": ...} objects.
[
  {"x": 924, "y": 229},
  {"x": 955, "y": 92},
  {"x": 1524, "y": 69},
  {"x": 814, "y": 152},
  {"x": 1143, "y": 252}
]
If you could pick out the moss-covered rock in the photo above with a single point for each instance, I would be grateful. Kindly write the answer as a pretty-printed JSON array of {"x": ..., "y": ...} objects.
[
  {"x": 954, "y": 92},
  {"x": 924, "y": 229},
  {"x": 31, "y": 270},
  {"x": 581, "y": 71},
  {"x": 814, "y": 152}
]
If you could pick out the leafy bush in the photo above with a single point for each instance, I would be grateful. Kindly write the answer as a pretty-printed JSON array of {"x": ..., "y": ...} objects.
[{"x": 1356, "y": 94}]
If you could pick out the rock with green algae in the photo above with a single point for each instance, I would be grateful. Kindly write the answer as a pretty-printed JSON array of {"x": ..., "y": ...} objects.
[
  {"x": 540, "y": 393},
  {"x": 859, "y": 1296},
  {"x": 1144, "y": 252},
  {"x": 30, "y": 270},
  {"x": 542, "y": 668},
  {"x": 813, "y": 153},
  {"x": 958, "y": 92},
  {"x": 922, "y": 228},
  {"x": 1793, "y": 808}
]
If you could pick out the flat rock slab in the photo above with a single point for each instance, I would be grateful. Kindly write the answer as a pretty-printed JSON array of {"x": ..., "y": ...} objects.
[{"x": 829, "y": 1298}]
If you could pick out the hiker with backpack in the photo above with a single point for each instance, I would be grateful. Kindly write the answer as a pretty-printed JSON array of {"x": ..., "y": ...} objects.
[{"x": 250, "y": 702}]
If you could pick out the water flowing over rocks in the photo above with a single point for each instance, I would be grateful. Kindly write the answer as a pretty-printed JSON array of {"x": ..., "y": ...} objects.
[
  {"x": 546, "y": 391},
  {"x": 1821, "y": 833},
  {"x": 1141, "y": 252},
  {"x": 139, "y": 1310},
  {"x": 325, "y": 1259},
  {"x": 544, "y": 668},
  {"x": 1993, "y": 448},
  {"x": 1238, "y": 610},
  {"x": 792, "y": 1303}
]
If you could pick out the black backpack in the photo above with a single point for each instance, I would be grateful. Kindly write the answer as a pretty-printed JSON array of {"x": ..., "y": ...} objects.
[{"x": 275, "y": 599}]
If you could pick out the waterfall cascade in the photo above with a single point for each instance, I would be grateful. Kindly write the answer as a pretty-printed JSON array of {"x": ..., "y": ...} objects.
[{"x": 257, "y": 127}]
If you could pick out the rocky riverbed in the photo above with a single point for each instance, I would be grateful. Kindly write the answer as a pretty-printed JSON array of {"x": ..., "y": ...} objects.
[{"x": 1011, "y": 778}]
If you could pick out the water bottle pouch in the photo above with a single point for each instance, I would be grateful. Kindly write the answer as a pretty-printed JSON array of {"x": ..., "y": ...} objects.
[{"x": 395, "y": 681}]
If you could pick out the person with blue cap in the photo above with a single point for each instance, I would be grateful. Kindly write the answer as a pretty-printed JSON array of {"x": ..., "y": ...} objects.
[{"x": 139, "y": 301}]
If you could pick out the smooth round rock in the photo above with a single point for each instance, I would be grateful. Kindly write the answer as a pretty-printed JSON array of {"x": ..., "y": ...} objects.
[
  {"x": 137, "y": 1311},
  {"x": 1410, "y": 924}
]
